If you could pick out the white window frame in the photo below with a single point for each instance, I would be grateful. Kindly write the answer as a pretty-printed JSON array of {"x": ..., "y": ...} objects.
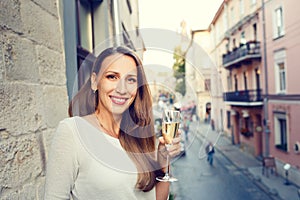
[
  {"x": 277, "y": 130},
  {"x": 278, "y": 22},
  {"x": 280, "y": 82},
  {"x": 281, "y": 74}
]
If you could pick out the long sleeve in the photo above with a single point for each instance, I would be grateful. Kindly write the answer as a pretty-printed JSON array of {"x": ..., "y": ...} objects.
[{"x": 62, "y": 165}]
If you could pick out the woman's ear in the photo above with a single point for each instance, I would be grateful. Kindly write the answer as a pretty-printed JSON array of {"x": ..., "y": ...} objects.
[{"x": 94, "y": 81}]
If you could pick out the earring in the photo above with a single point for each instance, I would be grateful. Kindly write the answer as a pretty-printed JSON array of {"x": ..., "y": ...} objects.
[{"x": 94, "y": 91}]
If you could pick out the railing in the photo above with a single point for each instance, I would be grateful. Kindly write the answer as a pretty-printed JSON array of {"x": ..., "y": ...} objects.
[
  {"x": 243, "y": 96},
  {"x": 245, "y": 51}
]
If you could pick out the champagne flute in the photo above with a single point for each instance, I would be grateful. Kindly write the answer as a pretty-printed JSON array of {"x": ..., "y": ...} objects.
[{"x": 170, "y": 125}]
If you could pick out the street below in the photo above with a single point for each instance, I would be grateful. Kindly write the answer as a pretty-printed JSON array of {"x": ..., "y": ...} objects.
[{"x": 198, "y": 180}]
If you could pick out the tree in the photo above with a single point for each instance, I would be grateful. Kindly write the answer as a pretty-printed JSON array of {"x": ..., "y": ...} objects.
[{"x": 179, "y": 70}]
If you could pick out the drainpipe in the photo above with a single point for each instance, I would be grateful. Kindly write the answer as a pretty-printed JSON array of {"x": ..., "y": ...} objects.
[
  {"x": 266, "y": 114},
  {"x": 117, "y": 22}
]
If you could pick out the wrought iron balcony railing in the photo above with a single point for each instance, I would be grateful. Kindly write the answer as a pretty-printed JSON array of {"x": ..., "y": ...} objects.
[
  {"x": 246, "y": 52},
  {"x": 243, "y": 96}
]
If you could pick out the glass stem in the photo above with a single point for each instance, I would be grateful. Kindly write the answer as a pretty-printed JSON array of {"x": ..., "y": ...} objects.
[
  {"x": 168, "y": 162},
  {"x": 168, "y": 167}
]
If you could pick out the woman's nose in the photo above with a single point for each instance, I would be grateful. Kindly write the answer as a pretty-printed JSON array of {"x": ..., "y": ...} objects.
[{"x": 121, "y": 86}]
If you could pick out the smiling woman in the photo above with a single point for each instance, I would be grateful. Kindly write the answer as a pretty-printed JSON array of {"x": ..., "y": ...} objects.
[
  {"x": 107, "y": 147},
  {"x": 117, "y": 87}
]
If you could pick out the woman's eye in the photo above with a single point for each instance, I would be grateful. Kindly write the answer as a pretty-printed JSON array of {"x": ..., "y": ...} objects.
[
  {"x": 111, "y": 77},
  {"x": 131, "y": 80}
]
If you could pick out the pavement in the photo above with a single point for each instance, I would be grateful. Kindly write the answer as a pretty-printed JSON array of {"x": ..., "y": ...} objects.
[{"x": 273, "y": 185}]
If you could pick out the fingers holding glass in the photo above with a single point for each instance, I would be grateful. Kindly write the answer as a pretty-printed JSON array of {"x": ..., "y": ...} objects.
[{"x": 170, "y": 125}]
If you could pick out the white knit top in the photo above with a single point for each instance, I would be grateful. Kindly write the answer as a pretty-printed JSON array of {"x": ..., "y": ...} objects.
[{"x": 87, "y": 164}]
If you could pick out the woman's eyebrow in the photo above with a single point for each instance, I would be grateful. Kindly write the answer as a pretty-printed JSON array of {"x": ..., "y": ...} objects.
[
  {"x": 117, "y": 73},
  {"x": 128, "y": 74},
  {"x": 131, "y": 74},
  {"x": 111, "y": 72}
]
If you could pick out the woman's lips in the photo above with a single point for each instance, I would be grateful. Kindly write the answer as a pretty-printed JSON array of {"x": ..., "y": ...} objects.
[{"x": 118, "y": 100}]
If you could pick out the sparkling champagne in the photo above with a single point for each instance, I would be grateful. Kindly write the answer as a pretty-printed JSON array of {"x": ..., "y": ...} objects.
[{"x": 169, "y": 130}]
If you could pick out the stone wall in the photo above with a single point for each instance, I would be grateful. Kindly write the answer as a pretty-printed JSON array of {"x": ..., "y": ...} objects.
[{"x": 33, "y": 94}]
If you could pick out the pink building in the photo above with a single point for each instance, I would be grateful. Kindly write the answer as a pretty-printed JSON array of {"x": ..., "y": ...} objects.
[
  {"x": 283, "y": 47},
  {"x": 257, "y": 101}
]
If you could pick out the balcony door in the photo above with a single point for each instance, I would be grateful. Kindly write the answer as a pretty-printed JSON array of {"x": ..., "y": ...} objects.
[
  {"x": 245, "y": 81},
  {"x": 235, "y": 83},
  {"x": 257, "y": 80}
]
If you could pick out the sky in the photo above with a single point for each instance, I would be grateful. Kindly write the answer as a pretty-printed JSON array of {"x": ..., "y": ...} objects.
[
  {"x": 162, "y": 15},
  {"x": 168, "y": 14}
]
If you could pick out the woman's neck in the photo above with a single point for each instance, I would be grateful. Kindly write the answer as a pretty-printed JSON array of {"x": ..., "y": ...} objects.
[{"x": 108, "y": 122}]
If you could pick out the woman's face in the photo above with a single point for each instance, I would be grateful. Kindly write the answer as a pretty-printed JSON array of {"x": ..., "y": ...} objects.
[{"x": 117, "y": 87}]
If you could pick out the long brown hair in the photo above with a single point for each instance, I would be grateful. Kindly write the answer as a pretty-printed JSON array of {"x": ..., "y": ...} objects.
[{"x": 137, "y": 129}]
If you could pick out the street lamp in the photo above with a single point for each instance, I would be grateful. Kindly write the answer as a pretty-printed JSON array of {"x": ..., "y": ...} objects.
[{"x": 286, "y": 167}]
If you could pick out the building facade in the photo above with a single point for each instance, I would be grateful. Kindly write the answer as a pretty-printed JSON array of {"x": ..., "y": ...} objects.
[
  {"x": 282, "y": 44},
  {"x": 255, "y": 44},
  {"x": 198, "y": 72},
  {"x": 44, "y": 44}
]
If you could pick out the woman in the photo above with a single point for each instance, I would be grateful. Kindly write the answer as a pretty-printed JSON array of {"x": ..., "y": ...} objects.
[{"x": 108, "y": 150}]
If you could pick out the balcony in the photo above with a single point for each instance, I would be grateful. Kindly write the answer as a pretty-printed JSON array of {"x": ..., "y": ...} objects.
[
  {"x": 244, "y": 98},
  {"x": 242, "y": 55}
]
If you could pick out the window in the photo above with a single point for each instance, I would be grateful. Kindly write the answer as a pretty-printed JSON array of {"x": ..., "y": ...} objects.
[
  {"x": 254, "y": 32},
  {"x": 85, "y": 37},
  {"x": 249, "y": 124},
  {"x": 229, "y": 81},
  {"x": 257, "y": 83},
  {"x": 88, "y": 26},
  {"x": 280, "y": 72},
  {"x": 207, "y": 84},
  {"x": 280, "y": 128},
  {"x": 227, "y": 47},
  {"x": 228, "y": 119},
  {"x": 243, "y": 40},
  {"x": 235, "y": 83},
  {"x": 245, "y": 81},
  {"x": 234, "y": 44},
  {"x": 246, "y": 124},
  {"x": 278, "y": 28}
]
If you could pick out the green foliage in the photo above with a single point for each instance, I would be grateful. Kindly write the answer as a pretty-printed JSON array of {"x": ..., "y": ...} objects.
[
  {"x": 180, "y": 86},
  {"x": 179, "y": 70}
]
